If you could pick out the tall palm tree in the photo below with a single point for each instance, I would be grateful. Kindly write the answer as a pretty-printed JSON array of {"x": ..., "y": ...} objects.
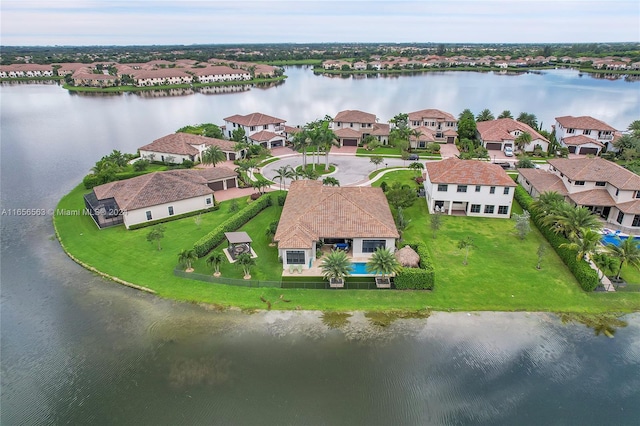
[
  {"x": 627, "y": 253},
  {"x": 336, "y": 266},
  {"x": 214, "y": 261},
  {"x": 246, "y": 262},
  {"x": 416, "y": 134},
  {"x": 571, "y": 221},
  {"x": 522, "y": 140},
  {"x": 301, "y": 142},
  {"x": 213, "y": 155},
  {"x": 383, "y": 262},
  {"x": 186, "y": 257},
  {"x": 283, "y": 173},
  {"x": 485, "y": 115},
  {"x": 547, "y": 201},
  {"x": 585, "y": 244}
]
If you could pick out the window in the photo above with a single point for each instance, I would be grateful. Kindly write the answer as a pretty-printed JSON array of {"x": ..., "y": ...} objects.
[
  {"x": 571, "y": 130},
  {"x": 602, "y": 184},
  {"x": 148, "y": 214},
  {"x": 462, "y": 188},
  {"x": 208, "y": 201},
  {"x": 586, "y": 132},
  {"x": 636, "y": 220},
  {"x": 478, "y": 188},
  {"x": 265, "y": 127},
  {"x": 443, "y": 187},
  {"x": 439, "y": 135},
  {"x": 492, "y": 190},
  {"x": 170, "y": 210},
  {"x": 489, "y": 209},
  {"x": 579, "y": 183},
  {"x": 369, "y": 246},
  {"x": 617, "y": 192},
  {"x": 475, "y": 208},
  {"x": 503, "y": 209},
  {"x": 252, "y": 128},
  {"x": 339, "y": 124},
  {"x": 350, "y": 124},
  {"x": 295, "y": 257},
  {"x": 620, "y": 217},
  {"x": 506, "y": 191},
  {"x": 422, "y": 144},
  {"x": 637, "y": 194}
]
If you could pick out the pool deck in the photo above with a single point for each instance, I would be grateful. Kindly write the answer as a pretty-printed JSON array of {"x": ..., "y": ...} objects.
[{"x": 316, "y": 271}]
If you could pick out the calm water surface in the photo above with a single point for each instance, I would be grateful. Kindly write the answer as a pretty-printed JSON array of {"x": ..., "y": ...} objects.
[{"x": 76, "y": 349}]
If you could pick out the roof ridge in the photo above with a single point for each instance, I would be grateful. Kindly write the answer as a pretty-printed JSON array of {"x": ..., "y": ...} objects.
[{"x": 359, "y": 207}]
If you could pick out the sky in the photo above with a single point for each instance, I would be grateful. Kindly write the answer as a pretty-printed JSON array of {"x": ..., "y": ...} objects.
[{"x": 148, "y": 22}]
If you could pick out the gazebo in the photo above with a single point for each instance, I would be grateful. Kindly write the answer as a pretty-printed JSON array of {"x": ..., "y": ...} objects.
[
  {"x": 239, "y": 242},
  {"x": 407, "y": 257}
]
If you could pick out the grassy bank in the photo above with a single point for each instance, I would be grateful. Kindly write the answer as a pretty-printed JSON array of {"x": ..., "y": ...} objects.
[{"x": 501, "y": 273}]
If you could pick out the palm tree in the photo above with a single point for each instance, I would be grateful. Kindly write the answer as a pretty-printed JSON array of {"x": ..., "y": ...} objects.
[
  {"x": 485, "y": 115},
  {"x": 416, "y": 167},
  {"x": 246, "y": 261},
  {"x": 414, "y": 133},
  {"x": 585, "y": 244},
  {"x": 547, "y": 201},
  {"x": 522, "y": 140},
  {"x": 466, "y": 244},
  {"x": 283, "y": 173},
  {"x": 505, "y": 114},
  {"x": 213, "y": 155},
  {"x": 336, "y": 266},
  {"x": 300, "y": 143},
  {"x": 330, "y": 181},
  {"x": 270, "y": 232},
  {"x": 185, "y": 257},
  {"x": 627, "y": 253},
  {"x": 571, "y": 220},
  {"x": 529, "y": 119},
  {"x": 383, "y": 262},
  {"x": 214, "y": 261},
  {"x": 260, "y": 184}
]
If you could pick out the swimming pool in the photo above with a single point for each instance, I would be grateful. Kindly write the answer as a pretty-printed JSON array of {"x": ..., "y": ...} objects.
[
  {"x": 612, "y": 239},
  {"x": 359, "y": 268}
]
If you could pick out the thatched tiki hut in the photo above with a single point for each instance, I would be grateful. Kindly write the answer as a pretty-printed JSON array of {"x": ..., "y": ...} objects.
[{"x": 408, "y": 257}]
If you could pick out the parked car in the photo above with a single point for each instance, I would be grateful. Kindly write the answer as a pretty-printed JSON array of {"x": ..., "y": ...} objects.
[
  {"x": 508, "y": 151},
  {"x": 414, "y": 157}
]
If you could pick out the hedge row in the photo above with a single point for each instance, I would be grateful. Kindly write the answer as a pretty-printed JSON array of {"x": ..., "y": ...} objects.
[
  {"x": 207, "y": 243},
  {"x": 92, "y": 179},
  {"x": 174, "y": 217},
  {"x": 587, "y": 276},
  {"x": 422, "y": 278}
]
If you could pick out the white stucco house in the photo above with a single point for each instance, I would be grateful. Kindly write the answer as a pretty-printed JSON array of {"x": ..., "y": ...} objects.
[
  {"x": 254, "y": 123},
  {"x": 584, "y": 135},
  {"x": 503, "y": 132},
  {"x": 353, "y": 126},
  {"x": 434, "y": 126},
  {"x": 356, "y": 216},
  {"x": 606, "y": 188},
  {"x": 157, "y": 195},
  {"x": 177, "y": 147},
  {"x": 214, "y": 74},
  {"x": 468, "y": 188}
]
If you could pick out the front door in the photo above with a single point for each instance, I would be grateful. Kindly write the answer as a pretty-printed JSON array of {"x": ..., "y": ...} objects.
[{"x": 605, "y": 212}]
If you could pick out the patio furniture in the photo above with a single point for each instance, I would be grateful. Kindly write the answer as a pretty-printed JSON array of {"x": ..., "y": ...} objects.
[
  {"x": 299, "y": 269},
  {"x": 336, "y": 283},
  {"x": 291, "y": 269}
]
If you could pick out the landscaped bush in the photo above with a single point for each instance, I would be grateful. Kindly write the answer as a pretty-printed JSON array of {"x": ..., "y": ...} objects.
[
  {"x": 282, "y": 198},
  {"x": 422, "y": 278},
  {"x": 207, "y": 243},
  {"x": 174, "y": 217},
  {"x": 587, "y": 277}
]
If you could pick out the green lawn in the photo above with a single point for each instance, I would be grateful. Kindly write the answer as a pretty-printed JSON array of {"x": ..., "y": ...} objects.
[
  {"x": 501, "y": 274},
  {"x": 320, "y": 168}
]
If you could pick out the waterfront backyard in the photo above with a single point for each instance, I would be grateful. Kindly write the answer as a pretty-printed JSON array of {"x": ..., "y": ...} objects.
[{"x": 500, "y": 275}]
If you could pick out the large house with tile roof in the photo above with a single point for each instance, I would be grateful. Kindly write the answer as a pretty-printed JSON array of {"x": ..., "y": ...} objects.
[
  {"x": 469, "y": 188},
  {"x": 501, "y": 133},
  {"x": 212, "y": 74},
  {"x": 314, "y": 214},
  {"x": 606, "y": 188},
  {"x": 584, "y": 135},
  {"x": 353, "y": 126},
  {"x": 157, "y": 195},
  {"x": 177, "y": 147},
  {"x": 254, "y": 123},
  {"x": 434, "y": 126}
]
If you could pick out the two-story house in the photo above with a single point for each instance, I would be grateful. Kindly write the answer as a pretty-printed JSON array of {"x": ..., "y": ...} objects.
[
  {"x": 584, "y": 135},
  {"x": 468, "y": 188},
  {"x": 440, "y": 126},
  {"x": 259, "y": 128},
  {"x": 503, "y": 132},
  {"x": 604, "y": 187},
  {"x": 212, "y": 74},
  {"x": 353, "y": 126},
  {"x": 177, "y": 147}
]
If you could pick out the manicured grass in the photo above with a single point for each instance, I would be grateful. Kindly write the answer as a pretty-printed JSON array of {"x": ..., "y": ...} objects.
[
  {"x": 320, "y": 168},
  {"x": 405, "y": 177},
  {"x": 501, "y": 274}
]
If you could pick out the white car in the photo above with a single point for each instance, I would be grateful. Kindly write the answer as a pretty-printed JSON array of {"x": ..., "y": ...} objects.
[{"x": 508, "y": 151}]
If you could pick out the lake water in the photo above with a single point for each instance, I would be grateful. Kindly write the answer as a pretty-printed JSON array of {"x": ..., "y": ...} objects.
[{"x": 77, "y": 349}]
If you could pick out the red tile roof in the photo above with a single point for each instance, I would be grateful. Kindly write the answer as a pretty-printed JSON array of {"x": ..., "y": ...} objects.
[
  {"x": 584, "y": 122},
  {"x": 254, "y": 119},
  {"x": 500, "y": 130},
  {"x": 630, "y": 207},
  {"x": 264, "y": 135},
  {"x": 313, "y": 211},
  {"x": 354, "y": 116},
  {"x": 597, "y": 170},
  {"x": 182, "y": 144},
  {"x": 580, "y": 140},
  {"x": 467, "y": 172},
  {"x": 593, "y": 197},
  {"x": 544, "y": 181},
  {"x": 347, "y": 132},
  {"x": 431, "y": 114},
  {"x": 380, "y": 129}
]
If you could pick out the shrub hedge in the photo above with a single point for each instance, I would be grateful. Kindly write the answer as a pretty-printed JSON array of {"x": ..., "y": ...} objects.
[
  {"x": 421, "y": 278},
  {"x": 174, "y": 217},
  {"x": 207, "y": 243},
  {"x": 587, "y": 276}
]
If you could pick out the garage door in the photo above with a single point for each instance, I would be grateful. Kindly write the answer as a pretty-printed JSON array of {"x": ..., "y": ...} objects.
[
  {"x": 572, "y": 149},
  {"x": 494, "y": 146},
  {"x": 450, "y": 139},
  {"x": 587, "y": 151},
  {"x": 217, "y": 186},
  {"x": 349, "y": 142},
  {"x": 275, "y": 144},
  {"x": 232, "y": 156},
  {"x": 231, "y": 183}
]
